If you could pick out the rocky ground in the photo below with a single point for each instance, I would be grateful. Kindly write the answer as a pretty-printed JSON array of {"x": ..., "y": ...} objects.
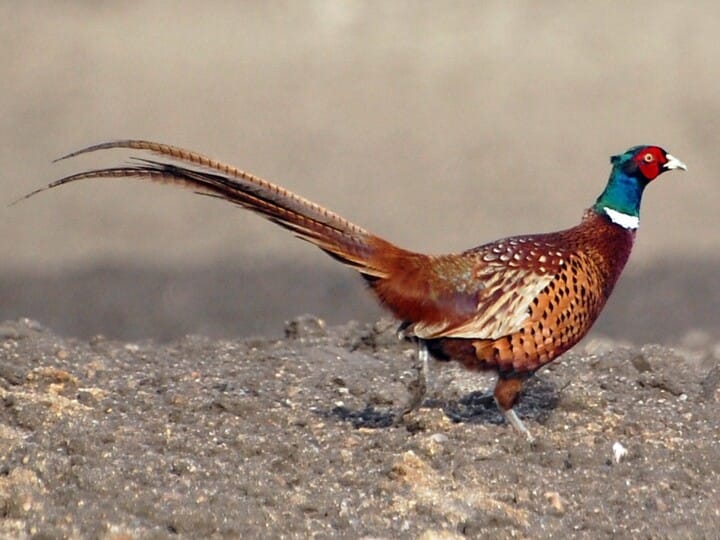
[{"x": 293, "y": 438}]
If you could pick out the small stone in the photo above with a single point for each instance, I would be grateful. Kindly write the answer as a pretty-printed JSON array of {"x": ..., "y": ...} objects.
[
  {"x": 305, "y": 326},
  {"x": 439, "y": 438},
  {"x": 619, "y": 452},
  {"x": 433, "y": 445},
  {"x": 641, "y": 363},
  {"x": 556, "y": 501}
]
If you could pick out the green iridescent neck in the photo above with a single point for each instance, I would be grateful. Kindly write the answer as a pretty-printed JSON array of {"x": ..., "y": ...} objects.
[{"x": 623, "y": 192}]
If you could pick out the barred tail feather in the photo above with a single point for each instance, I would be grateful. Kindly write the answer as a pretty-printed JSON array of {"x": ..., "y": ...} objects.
[{"x": 343, "y": 240}]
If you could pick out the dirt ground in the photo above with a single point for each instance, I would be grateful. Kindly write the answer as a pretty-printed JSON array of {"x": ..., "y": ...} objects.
[
  {"x": 437, "y": 129},
  {"x": 292, "y": 438}
]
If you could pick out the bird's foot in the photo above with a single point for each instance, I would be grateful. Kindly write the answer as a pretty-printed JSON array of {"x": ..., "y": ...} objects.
[{"x": 513, "y": 419}]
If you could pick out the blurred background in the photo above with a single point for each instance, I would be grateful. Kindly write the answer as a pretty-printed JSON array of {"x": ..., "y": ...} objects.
[{"x": 439, "y": 126}]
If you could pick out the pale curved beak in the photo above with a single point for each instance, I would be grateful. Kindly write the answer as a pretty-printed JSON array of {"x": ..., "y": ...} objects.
[{"x": 673, "y": 163}]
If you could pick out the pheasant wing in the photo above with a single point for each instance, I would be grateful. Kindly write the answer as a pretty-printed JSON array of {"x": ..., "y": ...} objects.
[{"x": 499, "y": 292}]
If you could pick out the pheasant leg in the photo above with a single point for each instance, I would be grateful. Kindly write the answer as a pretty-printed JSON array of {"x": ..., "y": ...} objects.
[
  {"x": 507, "y": 392},
  {"x": 418, "y": 387}
]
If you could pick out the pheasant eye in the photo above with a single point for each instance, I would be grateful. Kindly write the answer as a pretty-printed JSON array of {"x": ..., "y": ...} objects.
[{"x": 648, "y": 158}]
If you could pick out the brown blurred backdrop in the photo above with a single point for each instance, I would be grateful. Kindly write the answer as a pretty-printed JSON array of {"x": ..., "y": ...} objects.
[{"x": 437, "y": 125}]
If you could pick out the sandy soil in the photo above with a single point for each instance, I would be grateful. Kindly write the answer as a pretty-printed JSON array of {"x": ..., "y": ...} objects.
[{"x": 291, "y": 438}]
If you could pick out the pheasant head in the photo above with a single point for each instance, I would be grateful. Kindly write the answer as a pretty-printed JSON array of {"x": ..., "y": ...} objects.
[{"x": 631, "y": 172}]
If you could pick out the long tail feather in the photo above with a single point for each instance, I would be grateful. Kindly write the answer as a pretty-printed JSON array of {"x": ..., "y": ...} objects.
[{"x": 335, "y": 235}]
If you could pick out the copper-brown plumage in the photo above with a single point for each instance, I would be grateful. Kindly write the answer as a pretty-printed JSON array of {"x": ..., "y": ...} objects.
[{"x": 512, "y": 305}]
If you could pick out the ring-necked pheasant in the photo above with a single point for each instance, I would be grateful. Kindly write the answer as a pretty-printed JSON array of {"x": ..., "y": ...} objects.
[{"x": 512, "y": 305}]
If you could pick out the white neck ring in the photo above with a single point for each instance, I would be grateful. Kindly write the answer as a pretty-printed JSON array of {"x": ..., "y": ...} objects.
[{"x": 626, "y": 221}]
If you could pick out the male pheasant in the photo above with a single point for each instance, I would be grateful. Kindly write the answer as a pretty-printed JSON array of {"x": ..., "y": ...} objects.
[{"x": 512, "y": 305}]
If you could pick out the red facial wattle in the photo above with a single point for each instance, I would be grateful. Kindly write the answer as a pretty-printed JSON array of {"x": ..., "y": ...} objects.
[{"x": 650, "y": 161}]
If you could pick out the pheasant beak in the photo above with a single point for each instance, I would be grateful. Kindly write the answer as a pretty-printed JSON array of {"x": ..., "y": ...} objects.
[{"x": 673, "y": 163}]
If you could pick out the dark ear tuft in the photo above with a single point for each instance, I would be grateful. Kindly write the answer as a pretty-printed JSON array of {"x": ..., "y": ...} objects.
[{"x": 631, "y": 167}]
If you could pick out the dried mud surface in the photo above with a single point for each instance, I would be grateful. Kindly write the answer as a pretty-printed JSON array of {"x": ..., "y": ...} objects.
[{"x": 291, "y": 438}]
